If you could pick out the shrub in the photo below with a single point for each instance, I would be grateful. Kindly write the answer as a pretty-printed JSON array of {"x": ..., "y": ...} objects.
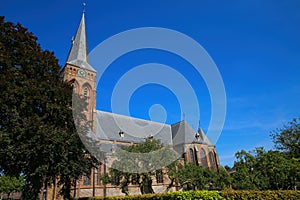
[
  {"x": 189, "y": 195},
  {"x": 263, "y": 195},
  {"x": 210, "y": 195}
]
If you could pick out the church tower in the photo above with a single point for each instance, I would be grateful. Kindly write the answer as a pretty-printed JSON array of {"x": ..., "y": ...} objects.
[{"x": 78, "y": 72}]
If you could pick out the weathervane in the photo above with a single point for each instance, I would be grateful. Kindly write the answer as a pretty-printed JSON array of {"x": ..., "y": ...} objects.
[{"x": 84, "y": 5}]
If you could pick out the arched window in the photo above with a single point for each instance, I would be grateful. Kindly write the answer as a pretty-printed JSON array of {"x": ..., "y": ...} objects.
[
  {"x": 196, "y": 155},
  {"x": 159, "y": 176},
  {"x": 98, "y": 175},
  {"x": 203, "y": 158},
  {"x": 211, "y": 159},
  {"x": 86, "y": 179},
  {"x": 192, "y": 158},
  {"x": 74, "y": 84},
  {"x": 85, "y": 91}
]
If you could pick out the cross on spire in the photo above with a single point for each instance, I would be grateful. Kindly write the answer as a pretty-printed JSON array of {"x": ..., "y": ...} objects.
[{"x": 84, "y": 6}]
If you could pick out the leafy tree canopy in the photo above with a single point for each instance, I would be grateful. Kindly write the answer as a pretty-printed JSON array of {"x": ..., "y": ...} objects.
[
  {"x": 263, "y": 170},
  {"x": 140, "y": 162},
  {"x": 10, "y": 184},
  {"x": 190, "y": 176},
  {"x": 37, "y": 133},
  {"x": 280, "y": 169},
  {"x": 287, "y": 139}
]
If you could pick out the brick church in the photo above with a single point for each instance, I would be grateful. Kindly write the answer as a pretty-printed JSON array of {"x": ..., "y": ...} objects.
[{"x": 83, "y": 77}]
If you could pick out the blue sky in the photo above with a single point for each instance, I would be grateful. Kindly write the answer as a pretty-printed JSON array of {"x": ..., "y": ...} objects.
[{"x": 255, "y": 45}]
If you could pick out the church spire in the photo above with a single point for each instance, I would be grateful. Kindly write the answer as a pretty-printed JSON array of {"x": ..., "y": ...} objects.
[{"x": 78, "y": 54}]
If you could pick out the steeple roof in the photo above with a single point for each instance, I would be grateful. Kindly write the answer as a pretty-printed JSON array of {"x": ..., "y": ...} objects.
[
  {"x": 202, "y": 138},
  {"x": 78, "y": 54}
]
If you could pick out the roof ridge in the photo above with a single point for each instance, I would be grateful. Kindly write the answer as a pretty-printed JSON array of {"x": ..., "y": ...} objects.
[
  {"x": 178, "y": 122},
  {"x": 126, "y": 116}
]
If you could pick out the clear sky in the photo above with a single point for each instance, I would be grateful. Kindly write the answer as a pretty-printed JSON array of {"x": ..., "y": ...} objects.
[{"x": 255, "y": 45}]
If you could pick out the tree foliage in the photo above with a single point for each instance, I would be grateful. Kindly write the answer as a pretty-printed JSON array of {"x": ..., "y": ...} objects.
[
  {"x": 10, "y": 184},
  {"x": 275, "y": 170},
  {"x": 263, "y": 170},
  {"x": 37, "y": 131},
  {"x": 287, "y": 139},
  {"x": 189, "y": 176},
  {"x": 140, "y": 162}
]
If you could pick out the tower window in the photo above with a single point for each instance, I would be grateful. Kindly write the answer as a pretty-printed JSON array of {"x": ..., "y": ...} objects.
[{"x": 85, "y": 92}]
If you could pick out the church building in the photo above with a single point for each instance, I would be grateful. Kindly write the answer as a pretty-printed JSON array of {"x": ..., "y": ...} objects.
[{"x": 82, "y": 75}]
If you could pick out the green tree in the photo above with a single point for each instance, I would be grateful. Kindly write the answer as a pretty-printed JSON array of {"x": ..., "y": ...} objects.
[
  {"x": 222, "y": 179},
  {"x": 189, "y": 176},
  {"x": 10, "y": 184},
  {"x": 287, "y": 139},
  {"x": 278, "y": 170},
  {"x": 245, "y": 176},
  {"x": 172, "y": 171},
  {"x": 37, "y": 131},
  {"x": 263, "y": 170},
  {"x": 140, "y": 162},
  {"x": 274, "y": 170},
  {"x": 227, "y": 168}
]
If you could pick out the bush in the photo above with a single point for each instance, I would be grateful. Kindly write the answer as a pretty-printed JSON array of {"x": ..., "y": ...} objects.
[
  {"x": 189, "y": 195},
  {"x": 211, "y": 195},
  {"x": 264, "y": 195}
]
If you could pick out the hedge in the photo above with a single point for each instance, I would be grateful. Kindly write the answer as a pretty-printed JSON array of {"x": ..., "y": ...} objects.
[
  {"x": 210, "y": 195},
  {"x": 190, "y": 195},
  {"x": 261, "y": 195}
]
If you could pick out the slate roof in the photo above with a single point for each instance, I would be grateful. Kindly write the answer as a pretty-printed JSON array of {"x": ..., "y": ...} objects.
[
  {"x": 202, "y": 139},
  {"x": 182, "y": 134},
  {"x": 78, "y": 54},
  {"x": 135, "y": 130},
  {"x": 178, "y": 135}
]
